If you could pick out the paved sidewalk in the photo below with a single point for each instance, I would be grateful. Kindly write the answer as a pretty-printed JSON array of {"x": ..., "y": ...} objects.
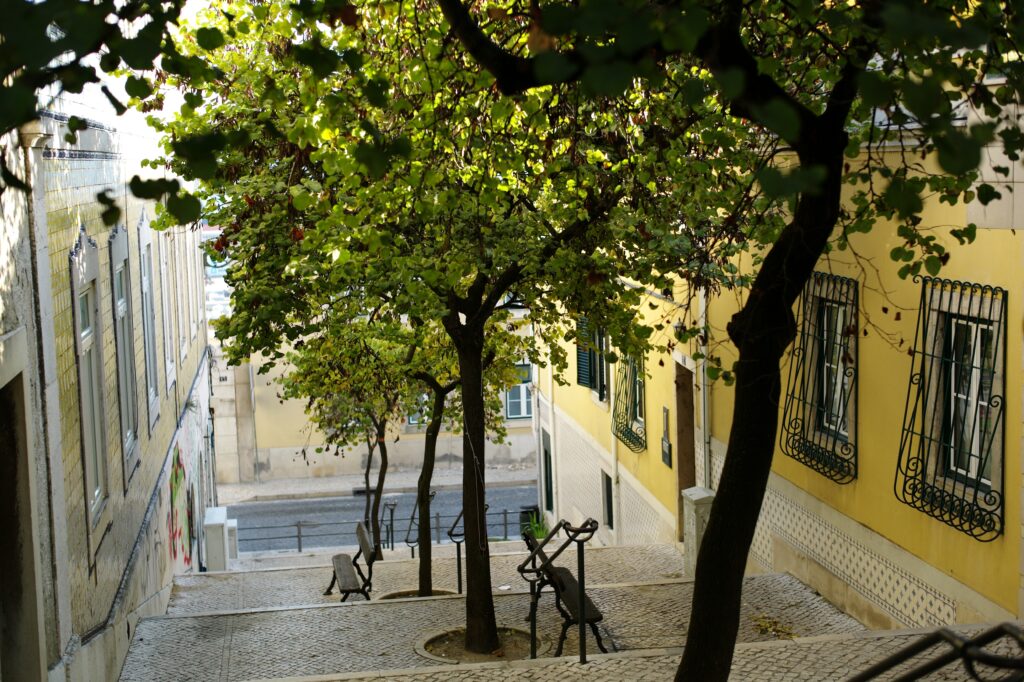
[
  {"x": 397, "y": 480},
  {"x": 382, "y": 635},
  {"x": 828, "y": 658}
]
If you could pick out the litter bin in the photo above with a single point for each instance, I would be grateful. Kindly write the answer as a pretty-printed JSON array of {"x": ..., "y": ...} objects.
[{"x": 528, "y": 513}]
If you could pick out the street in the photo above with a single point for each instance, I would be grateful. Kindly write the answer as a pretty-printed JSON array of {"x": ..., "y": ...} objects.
[{"x": 330, "y": 521}]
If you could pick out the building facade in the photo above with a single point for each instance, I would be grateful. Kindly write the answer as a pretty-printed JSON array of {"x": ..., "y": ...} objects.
[
  {"x": 104, "y": 394},
  {"x": 896, "y": 483}
]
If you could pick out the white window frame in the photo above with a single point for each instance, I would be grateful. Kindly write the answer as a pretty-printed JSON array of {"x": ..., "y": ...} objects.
[
  {"x": 191, "y": 267},
  {"x": 520, "y": 395},
  {"x": 124, "y": 347},
  {"x": 970, "y": 401},
  {"x": 180, "y": 296},
  {"x": 639, "y": 408},
  {"x": 167, "y": 312},
  {"x": 833, "y": 380},
  {"x": 85, "y": 267},
  {"x": 147, "y": 252}
]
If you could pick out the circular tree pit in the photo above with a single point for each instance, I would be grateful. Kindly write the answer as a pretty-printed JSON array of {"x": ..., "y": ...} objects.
[{"x": 448, "y": 646}]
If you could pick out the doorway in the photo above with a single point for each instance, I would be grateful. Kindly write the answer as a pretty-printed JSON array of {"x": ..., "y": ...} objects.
[
  {"x": 20, "y": 632},
  {"x": 686, "y": 469}
]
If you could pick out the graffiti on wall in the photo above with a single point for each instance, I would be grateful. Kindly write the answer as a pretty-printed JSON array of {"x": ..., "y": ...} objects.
[{"x": 179, "y": 518}]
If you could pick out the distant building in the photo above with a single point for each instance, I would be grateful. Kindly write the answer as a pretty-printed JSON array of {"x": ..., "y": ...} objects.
[{"x": 104, "y": 398}]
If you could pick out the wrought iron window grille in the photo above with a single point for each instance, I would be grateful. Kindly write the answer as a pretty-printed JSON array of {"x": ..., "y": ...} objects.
[
  {"x": 819, "y": 423},
  {"x": 628, "y": 415},
  {"x": 950, "y": 463}
]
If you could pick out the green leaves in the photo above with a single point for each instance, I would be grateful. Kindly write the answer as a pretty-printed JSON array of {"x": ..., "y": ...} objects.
[
  {"x": 184, "y": 207},
  {"x": 209, "y": 38},
  {"x": 904, "y": 197}
]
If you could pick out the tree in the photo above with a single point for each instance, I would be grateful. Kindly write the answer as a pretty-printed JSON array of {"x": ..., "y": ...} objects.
[
  {"x": 348, "y": 376},
  {"x": 407, "y": 181},
  {"x": 833, "y": 82}
]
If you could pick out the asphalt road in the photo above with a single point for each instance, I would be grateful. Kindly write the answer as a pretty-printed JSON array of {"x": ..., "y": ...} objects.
[{"x": 331, "y": 520}]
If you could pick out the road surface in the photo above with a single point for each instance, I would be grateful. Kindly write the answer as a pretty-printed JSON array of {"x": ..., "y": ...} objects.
[{"x": 330, "y": 521}]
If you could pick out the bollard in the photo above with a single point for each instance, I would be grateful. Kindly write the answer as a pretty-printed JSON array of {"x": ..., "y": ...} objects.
[
  {"x": 298, "y": 534},
  {"x": 504, "y": 520},
  {"x": 696, "y": 509},
  {"x": 437, "y": 527}
]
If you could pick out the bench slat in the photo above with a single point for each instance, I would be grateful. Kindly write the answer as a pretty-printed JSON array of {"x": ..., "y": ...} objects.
[
  {"x": 569, "y": 591},
  {"x": 348, "y": 580}
]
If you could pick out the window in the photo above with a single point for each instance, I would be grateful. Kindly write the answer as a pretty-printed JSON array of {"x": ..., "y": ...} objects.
[
  {"x": 149, "y": 320},
  {"x": 591, "y": 366},
  {"x": 124, "y": 344},
  {"x": 84, "y": 261},
  {"x": 181, "y": 293},
  {"x": 951, "y": 452},
  {"x": 518, "y": 400},
  {"x": 819, "y": 414},
  {"x": 167, "y": 315},
  {"x": 628, "y": 417},
  {"x": 606, "y": 494}
]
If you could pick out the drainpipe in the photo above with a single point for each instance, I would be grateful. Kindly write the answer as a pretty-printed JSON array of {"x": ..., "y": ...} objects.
[
  {"x": 557, "y": 500},
  {"x": 705, "y": 397},
  {"x": 616, "y": 497}
]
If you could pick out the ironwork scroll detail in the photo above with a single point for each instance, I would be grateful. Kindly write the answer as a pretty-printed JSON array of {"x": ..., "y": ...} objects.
[
  {"x": 819, "y": 415},
  {"x": 950, "y": 463},
  {"x": 628, "y": 394}
]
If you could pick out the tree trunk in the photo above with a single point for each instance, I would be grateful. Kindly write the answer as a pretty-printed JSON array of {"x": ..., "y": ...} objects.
[
  {"x": 426, "y": 581},
  {"x": 371, "y": 446},
  {"x": 378, "y": 491},
  {"x": 761, "y": 330},
  {"x": 481, "y": 626}
]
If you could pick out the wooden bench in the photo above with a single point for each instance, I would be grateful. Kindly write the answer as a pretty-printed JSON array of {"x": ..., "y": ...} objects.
[
  {"x": 348, "y": 575},
  {"x": 567, "y": 595}
]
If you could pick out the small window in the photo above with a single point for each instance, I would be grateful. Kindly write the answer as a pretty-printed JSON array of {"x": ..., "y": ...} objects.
[
  {"x": 609, "y": 506},
  {"x": 519, "y": 400},
  {"x": 628, "y": 418},
  {"x": 951, "y": 454},
  {"x": 818, "y": 424},
  {"x": 591, "y": 365},
  {"x": 84, "y": 261},
  {"x": 124, "y": 344}
]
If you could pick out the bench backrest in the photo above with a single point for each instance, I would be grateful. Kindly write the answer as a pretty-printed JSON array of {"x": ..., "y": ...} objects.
[{"x": 369, "y": 556}]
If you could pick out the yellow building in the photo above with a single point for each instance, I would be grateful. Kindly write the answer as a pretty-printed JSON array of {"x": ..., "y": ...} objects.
[
  {"x": 896, "y": 484},
  {"x": 104, "y": 414}
]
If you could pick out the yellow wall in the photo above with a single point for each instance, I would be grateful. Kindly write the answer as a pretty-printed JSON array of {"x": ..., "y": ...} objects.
[{"x": 889, "y": 313}]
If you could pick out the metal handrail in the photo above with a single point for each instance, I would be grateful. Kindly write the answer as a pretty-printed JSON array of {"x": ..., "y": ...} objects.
[
  {"x": 458, "y": 538},
  {"x": 413, "y": 520},
  {"x": 969, "y": 650}
]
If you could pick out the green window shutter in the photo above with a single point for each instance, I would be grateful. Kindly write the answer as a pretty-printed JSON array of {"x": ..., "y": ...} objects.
[{"x": 584, "y": 364}]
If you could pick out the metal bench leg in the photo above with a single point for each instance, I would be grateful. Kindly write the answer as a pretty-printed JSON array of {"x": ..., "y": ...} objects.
[
  {"x": 566, "y": 624},
  {"x": 346, "y": 596},
  {"x": 597, "y": 636},
  {"x": 330, "y": 588}
]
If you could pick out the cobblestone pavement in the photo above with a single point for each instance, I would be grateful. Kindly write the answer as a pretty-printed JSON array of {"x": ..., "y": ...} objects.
[
  {"x": 382, "y": 635},
  {"x": 199, "y": 593},
  {"x": 817, "y": 659}
]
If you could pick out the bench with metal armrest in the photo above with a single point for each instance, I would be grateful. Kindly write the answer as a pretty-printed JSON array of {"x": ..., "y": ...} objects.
[{"x": 348, "y": 575}]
